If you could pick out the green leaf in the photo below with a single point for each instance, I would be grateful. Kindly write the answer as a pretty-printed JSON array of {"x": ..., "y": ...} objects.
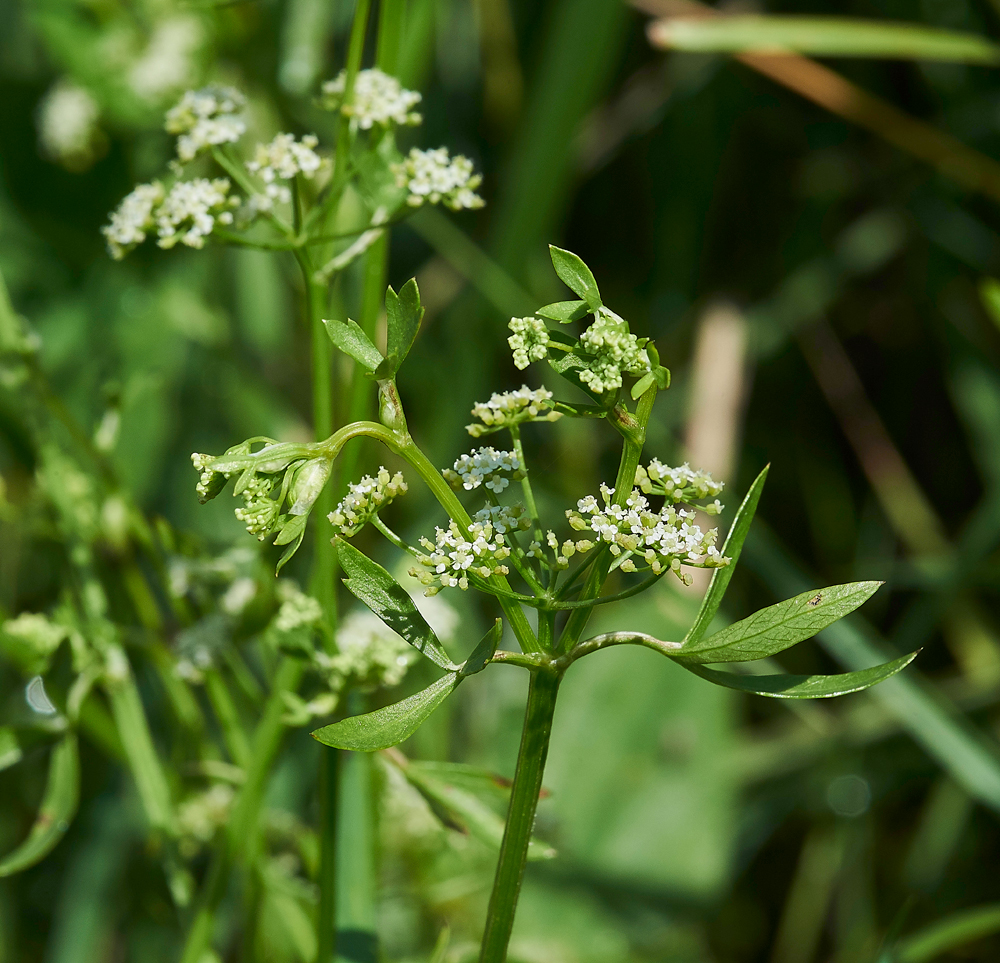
[
  {"x": 403, "y": 315},
  {"x": 576, "y": 276},
  {"x": 642, "y": 385},
  {"x": 780, "y": 626},
  {"x": 483, "y": 652},
  {"x": 390, "y": 725},
  {"x": 374, "y": 586},
  {"x": 955, "y": 930},
  {"x": 350, "y": 339},
  {"x": 62, "y": 793},
  {"x": 734, "y": 545},
  {"x": 10, "y": 748},
  {"x": 286, "y": 556},
  {"x": 564, "y": 311},
  {"x": 803, "y": 686},
  {"x": 465, "y": 809},
  {"x": 822, "y": 37}
]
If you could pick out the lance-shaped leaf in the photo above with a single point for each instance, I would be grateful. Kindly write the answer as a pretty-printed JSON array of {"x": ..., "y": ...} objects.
[
  {"x": 780, "y": 626},
  {"x": 351, "y": 339},
  {"x": 564, "y": 311},
  {"x": 822, "y": 37},
  {"x": 62, "y": 793},
  {"x": 390, "y": 725},
  {"x": 374, "y": 586},
  {"x": 462, "y": 807},
  {"x": 403, "y": 314},
  {"x": 732, "y": 549},
  {"x": 483, "y": 652},
  {"x": 576, "y": 276},
  {"x": 803, "y": 686}
]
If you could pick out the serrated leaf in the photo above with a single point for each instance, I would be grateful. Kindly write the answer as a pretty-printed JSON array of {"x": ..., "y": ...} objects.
[
  {"x": 390, "y": 725},
  {"x": 62, "y": 793},
  {"x": 564, "y": 311},
  {"x": 403, "y": 315},
  {"x": 803, "y": 686},
  {"x": 733, "y": 547},
  {"x": 483, "y": 652},
  {"x": 576, "y": 276},
  {"x": 780, "y": 626},
  {"x": 351, "y": 339},
  {"x": 374, "y": 586},
  {"x": 822, "y": 37},
  {"x": 466, "y": 809}
]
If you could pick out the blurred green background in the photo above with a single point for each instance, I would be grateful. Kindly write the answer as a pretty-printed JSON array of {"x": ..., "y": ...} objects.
[{"x": 819, "y": 296}]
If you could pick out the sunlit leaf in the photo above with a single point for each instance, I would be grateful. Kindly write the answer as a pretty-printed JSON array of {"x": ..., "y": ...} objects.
[
  {"x": 803, "y": 686},
  {"x": 779, "y": 626},
  {"x": 390, "y": 725},
  {"x": 576, "y": 276},
  {"x": 374, "y": 586},
  {"x": 732, "y": 549},
  {"x": 351, "y": 339},
  {"x": 564, "y": 311},
  {"x": 941, "y": 936},
  {"x": 822, "y": 37},
  {"x": 403, "y": 315},
  {"x": 62, "y": 793}
]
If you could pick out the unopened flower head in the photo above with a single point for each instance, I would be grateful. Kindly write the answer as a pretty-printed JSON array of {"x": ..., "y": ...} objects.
[
  {"x": 451, "y": 558},
  {"x": 433, "y": 176},
  {"x": 132, "y": 219},
  {"x": 683, "y": 484},
  {"x": 486, "y": 466},
  {"x": 529, "y": 341},
  {"x": 512, "y": 408},
  {"x": 210, "y": 482},
  {"x": 206, "y": 118},
  {"x": 297, "y": 610},
  {"x": 364, "y": 499},
  {"x": 613, "y": 350},
  {"x": 663, "y": 540},
  {"x": 377, "y": 99},
  {"x": 260, "y": 511},
  {"x": 188, "y": 214},
  {"x": 67, "y": 126},
  {"x": 503, "y": 518}
]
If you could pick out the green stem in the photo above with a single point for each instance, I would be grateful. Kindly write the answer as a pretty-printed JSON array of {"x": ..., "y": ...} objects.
[
  {"x": 633, "y": 430},
  {"x": 229, "y": 719},
  {"x": 326, "y": 936},
  {"x": 529, "y": 495},
  {"x": 521, "y": 815}
]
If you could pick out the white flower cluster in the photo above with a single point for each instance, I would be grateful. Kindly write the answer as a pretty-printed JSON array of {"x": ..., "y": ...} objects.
[
  {"x": 190, "y": 210},
  {"x": 561, "y": 553},
  {"x": 503, "y": 518},
  {"x": 133, "y": 218},
  {"x": 512, "y": 408},
  {"x": 529, "y": 341},
  {"x": 613, "y": 349},
  {"x": 206, "y": 118},
  {"x": 67, "y": 126},
  {"x": 31, "y": 639},
  {"x": 297, "y": 609},
  {"x": 377, "y": 99},
  {"x": 369, "y": 652},
  {"x": 282, "y": 159},
  {"x": 167, "y": 63},
  {"x": 186, "y": 214},
  {"x": 364, "y": 499},
  {"x": 436, "y": 177},
  {"x": 452, "y": 557},
  {"x": 683, "y": 484},
  {"x": 485, "y": 466},
  {"x": 260, "y": 510},
  {"x": 664, "y": 540}
]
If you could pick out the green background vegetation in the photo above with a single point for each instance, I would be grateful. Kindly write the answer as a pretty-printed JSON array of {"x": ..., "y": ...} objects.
[{"x": 693, "y": 824}]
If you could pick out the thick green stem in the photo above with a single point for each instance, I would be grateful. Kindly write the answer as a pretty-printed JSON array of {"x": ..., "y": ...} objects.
[
  {"x": 633, "y": 430},
  {"x": 521, "y": 815},
  {"x": 529, "y": 495},
  {"x": 329, "y": 775}
]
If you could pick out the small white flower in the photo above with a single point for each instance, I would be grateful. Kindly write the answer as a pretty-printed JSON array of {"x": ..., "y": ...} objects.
[
  {"x": 132, "y": 219},
  {"x": 377, "y": 99},
  {"x": 67, "y": 126},
  {"x": 512, "y": 408},
  {"x": 433, "y": 176},
  {"x": 451, "y": 558},
  {"x": 187, "y": 215},
  {"x": 485, "y": 466},
  {"x": 206, "y": 118}
]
